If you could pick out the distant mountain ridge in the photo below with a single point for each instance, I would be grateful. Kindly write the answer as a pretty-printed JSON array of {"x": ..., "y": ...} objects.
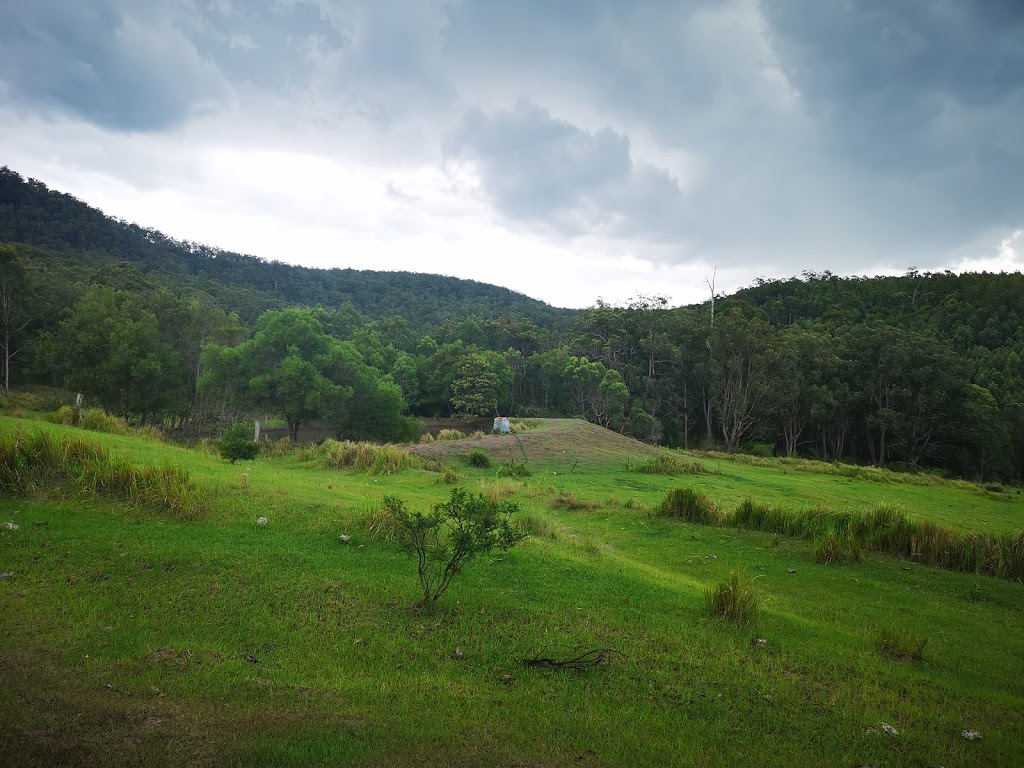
[{"x": 33, "y": 214}]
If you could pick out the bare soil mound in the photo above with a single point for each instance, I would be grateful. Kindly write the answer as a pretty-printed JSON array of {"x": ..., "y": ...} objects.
[{"x": 553, "y": 441}]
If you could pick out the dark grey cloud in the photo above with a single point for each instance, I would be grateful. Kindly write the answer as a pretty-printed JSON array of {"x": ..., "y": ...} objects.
[
  {"x": 773, "y": 135},
  {"x": 539, "y": 168},
  {"x": 113, "y": 63}
]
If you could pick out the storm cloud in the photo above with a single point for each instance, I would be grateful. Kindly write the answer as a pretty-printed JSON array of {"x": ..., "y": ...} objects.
[{"x": 655, "y": 136}]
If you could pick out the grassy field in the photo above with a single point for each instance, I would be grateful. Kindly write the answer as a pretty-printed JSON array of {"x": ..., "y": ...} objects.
[{"x": 135, "y": 637}]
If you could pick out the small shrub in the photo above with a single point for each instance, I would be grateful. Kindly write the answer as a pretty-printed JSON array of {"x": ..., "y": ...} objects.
[
  {"x": 513, "y": 470},
  {"x": 734, "y": 599},
  {"x": 237, "y": 443},
  {"x": 691, "y": 506},
  {"x": 450, "y": 434},
  {"x": 452, "y": 534},
  {"x": 479, "y": 459},
  {"x": 900, "y": 644}
]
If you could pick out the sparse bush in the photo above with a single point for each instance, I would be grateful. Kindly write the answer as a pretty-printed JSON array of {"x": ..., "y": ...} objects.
[
  {"x": 237, "y": 443},
  {"x": 691, "y": 506},
  {"x": 479, "y": 459},
  {"x": 899, "y": 644},
  {"x": 734, "y": 599},
  {"x": 450, "y": 434},
  {"x": 669, "y": 465},
  {"x": 452, "y": 534},
  {"x": 760, "y": 450}
]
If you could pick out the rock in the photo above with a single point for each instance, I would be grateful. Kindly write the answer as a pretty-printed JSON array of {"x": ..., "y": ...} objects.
[
  {"x": 890, "y": 730},
  {"x": 792, "y": 570},
  {"x": 261, "y": 521},
  {"x": 971, "y": 735}
]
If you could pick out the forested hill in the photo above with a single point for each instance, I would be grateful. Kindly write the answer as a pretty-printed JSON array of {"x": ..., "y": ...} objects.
[
  {"x": 965, "y": 310},
  {"x": 35, "y": 215}
]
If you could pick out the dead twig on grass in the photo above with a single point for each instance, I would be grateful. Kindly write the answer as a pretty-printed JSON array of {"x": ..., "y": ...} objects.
[{"x": 576, "y": 659}]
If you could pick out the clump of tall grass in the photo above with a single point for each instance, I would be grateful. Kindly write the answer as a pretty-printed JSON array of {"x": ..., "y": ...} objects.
[
  {"x": 370, "y": 458},
  {"x": 534, "y": 525},
  {"x": 514, "y": 470},
  {"x": 495, "y": 491},
  {"x": 277, "y": 448},
  {"x": 451, "y": 434},
  {"x": 448, "y": 476},
  {"x": 691, "y": 506},
  {"x": 836, "y": 546},
  {"x": 899, "y": 644},
  {"x": 426, "y": 437},
  {"x": 68, "y": 467},
  {"x": 886, "y": 528},
  {"x": 568, "y": 500},
  {"x": 734, "y": 599},
  {"x": 479, "y": 459},
  {"x": 669, "y": 465},
  {"x": 98, "y": 420}
]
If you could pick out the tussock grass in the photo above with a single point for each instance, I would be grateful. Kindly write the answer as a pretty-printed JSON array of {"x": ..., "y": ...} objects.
[
  {"x": 899, "y": 644},
  {"x": 275, "y": 449},
  {"x": 514, "y": 470},
  {"x": 569, "y": 500},
  {"x": 448, "y": 477},
  {"x": 734, "y": 599},
  {"x": 37, "y": 462},
  {"x": 451, "y": 434},
  {"x": 369, "y": 458},
  {"x": 498, "y": 490},
  {"x": 98, "y": 420},
  {"x": 669, "y": 465},
  {"x": 886, "y": 528},
  {"x": 479, "y": 459},
  {"x": 534, "y": 525},
  {"x": 691, "y": 506}
]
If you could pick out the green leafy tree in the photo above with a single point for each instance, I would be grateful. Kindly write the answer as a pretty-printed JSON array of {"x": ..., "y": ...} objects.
[{"x": 452, "y": 534}]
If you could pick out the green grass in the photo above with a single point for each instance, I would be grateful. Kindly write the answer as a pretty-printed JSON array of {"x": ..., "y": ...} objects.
[{"x": 216, "y": 641}]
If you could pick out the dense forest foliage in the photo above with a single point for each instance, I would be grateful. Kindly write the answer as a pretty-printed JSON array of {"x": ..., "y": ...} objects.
[{"x": 919, "y": 371}]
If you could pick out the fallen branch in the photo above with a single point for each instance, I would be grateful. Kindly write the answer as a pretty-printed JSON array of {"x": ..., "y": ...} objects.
[{"x": 579, "y": 661}]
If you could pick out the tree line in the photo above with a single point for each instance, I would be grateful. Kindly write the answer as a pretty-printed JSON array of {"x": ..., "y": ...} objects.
[{"x": 921, "y": 370}]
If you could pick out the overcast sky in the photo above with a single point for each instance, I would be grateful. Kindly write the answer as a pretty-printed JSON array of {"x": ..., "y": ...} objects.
[{"x": 569, "y": 150}]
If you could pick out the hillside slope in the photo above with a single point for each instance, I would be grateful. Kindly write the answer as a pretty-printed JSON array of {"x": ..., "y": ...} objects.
[{"x": 33, "y": 214}]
